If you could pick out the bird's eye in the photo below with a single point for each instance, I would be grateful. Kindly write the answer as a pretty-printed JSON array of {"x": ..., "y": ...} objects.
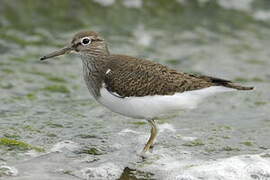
[{"x": 85, "y": 41}]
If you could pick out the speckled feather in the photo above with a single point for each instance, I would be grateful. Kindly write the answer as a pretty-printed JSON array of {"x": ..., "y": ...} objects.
[{"x": 129, "y": 76}]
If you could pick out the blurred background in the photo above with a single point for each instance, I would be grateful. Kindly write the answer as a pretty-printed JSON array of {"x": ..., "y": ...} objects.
[{"x": 45, "y": 107}]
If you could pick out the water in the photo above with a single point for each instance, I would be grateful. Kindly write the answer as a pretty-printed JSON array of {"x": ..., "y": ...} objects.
[{"x": 62, "y": 133}]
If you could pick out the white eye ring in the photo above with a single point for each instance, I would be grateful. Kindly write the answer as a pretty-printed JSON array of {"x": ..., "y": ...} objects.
[{"x": 85, "y": 41}]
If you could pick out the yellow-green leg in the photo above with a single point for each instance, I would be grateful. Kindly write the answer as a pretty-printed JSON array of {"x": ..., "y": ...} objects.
[{"x": 151, "y": 140}]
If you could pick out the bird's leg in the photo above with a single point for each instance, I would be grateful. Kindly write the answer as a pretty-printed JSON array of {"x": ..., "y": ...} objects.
[{"x": 154, "y": 132}]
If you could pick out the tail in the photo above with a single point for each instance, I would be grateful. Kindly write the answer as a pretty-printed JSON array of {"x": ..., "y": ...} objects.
[
  {"x": 238, "y": 87},
  {"x": 226, "y": 83}
]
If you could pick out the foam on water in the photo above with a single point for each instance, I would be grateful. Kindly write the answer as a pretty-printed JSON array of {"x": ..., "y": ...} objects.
[
  {"x": 244, "y": 167},
  {"x": 234, "y": 168},
  {"x": 8, "y": 170},
  {"x": 32, "y": 153},
  {"x": 104, "y": 171},
  {"x": 69, "y": 145},
  {"x": 188, "y": 138},
  {"x": 125, "y": 131},
  {"x": 166, "y": 127}
]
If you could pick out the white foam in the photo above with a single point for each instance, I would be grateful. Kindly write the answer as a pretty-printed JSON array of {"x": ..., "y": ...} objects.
[
  {"x": 102, "y": 172},
  {"x": 8, "y": 170},
  {"x": 166, "y": 127},
  {"x": 33, "y": 153},
  {"x": 188, "y": 138},
  {"x": 69, "y": 145},
  {"x": 243, "y": 167},
  {"x": 126, "y": 131}
]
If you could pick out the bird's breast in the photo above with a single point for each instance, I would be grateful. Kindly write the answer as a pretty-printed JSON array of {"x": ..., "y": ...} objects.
[{"x": 92, "y": 79}]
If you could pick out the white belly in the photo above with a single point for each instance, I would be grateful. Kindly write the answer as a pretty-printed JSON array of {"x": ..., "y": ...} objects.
[{"x": 155, "y": 106}]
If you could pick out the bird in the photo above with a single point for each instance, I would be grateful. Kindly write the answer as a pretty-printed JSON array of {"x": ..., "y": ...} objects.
[{"x": 136, "y": 87}]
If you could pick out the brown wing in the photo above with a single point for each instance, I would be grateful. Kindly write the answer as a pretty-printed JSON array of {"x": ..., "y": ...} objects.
[{"x": 129, "y": 76}]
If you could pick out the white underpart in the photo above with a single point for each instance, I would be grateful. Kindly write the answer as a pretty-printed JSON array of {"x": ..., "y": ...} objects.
[{"x": 148, "y": 107}]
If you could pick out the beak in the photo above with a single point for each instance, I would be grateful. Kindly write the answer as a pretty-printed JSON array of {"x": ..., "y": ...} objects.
[{"x": 59, "y": 52}]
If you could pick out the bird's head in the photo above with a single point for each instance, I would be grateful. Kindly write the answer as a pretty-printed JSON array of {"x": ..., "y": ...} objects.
[{"x": 86, "y": 42}]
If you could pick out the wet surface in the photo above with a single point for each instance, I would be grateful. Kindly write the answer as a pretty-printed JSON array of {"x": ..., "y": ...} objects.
[{"x": 51, "y": 128}]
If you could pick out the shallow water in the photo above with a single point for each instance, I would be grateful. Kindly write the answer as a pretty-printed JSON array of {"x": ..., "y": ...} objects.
[{"x": 62, "y": 133}]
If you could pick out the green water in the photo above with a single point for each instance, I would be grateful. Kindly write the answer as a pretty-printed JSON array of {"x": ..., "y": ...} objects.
[{"x": 44, "y": 103}]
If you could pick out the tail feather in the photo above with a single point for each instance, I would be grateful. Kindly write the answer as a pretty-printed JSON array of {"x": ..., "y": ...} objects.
[
  {"x": 238, "y": 87},
  {"x": 226, "y": 83}
]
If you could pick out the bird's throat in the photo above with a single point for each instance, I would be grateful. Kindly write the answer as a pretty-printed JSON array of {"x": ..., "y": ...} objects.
[{"x": 93, "y": 73}]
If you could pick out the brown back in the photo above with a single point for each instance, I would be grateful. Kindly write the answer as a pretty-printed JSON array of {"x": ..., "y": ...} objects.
[{"x": 129, "y": 76}]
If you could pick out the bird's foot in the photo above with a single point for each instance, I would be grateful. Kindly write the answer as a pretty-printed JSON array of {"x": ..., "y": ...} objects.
[
  {"x": 147, "y": 150},
  {"x": 151, "y": 148}
]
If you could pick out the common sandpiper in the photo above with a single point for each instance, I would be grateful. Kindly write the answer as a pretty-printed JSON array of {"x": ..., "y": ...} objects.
[{"x": 136, "y": 87}]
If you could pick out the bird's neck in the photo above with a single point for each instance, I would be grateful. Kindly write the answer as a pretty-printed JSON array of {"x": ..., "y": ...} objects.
[{"x": 94, "y": 68}]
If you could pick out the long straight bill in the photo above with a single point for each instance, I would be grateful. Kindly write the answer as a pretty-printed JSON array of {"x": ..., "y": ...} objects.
[{"x": 57, "y": 53}]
